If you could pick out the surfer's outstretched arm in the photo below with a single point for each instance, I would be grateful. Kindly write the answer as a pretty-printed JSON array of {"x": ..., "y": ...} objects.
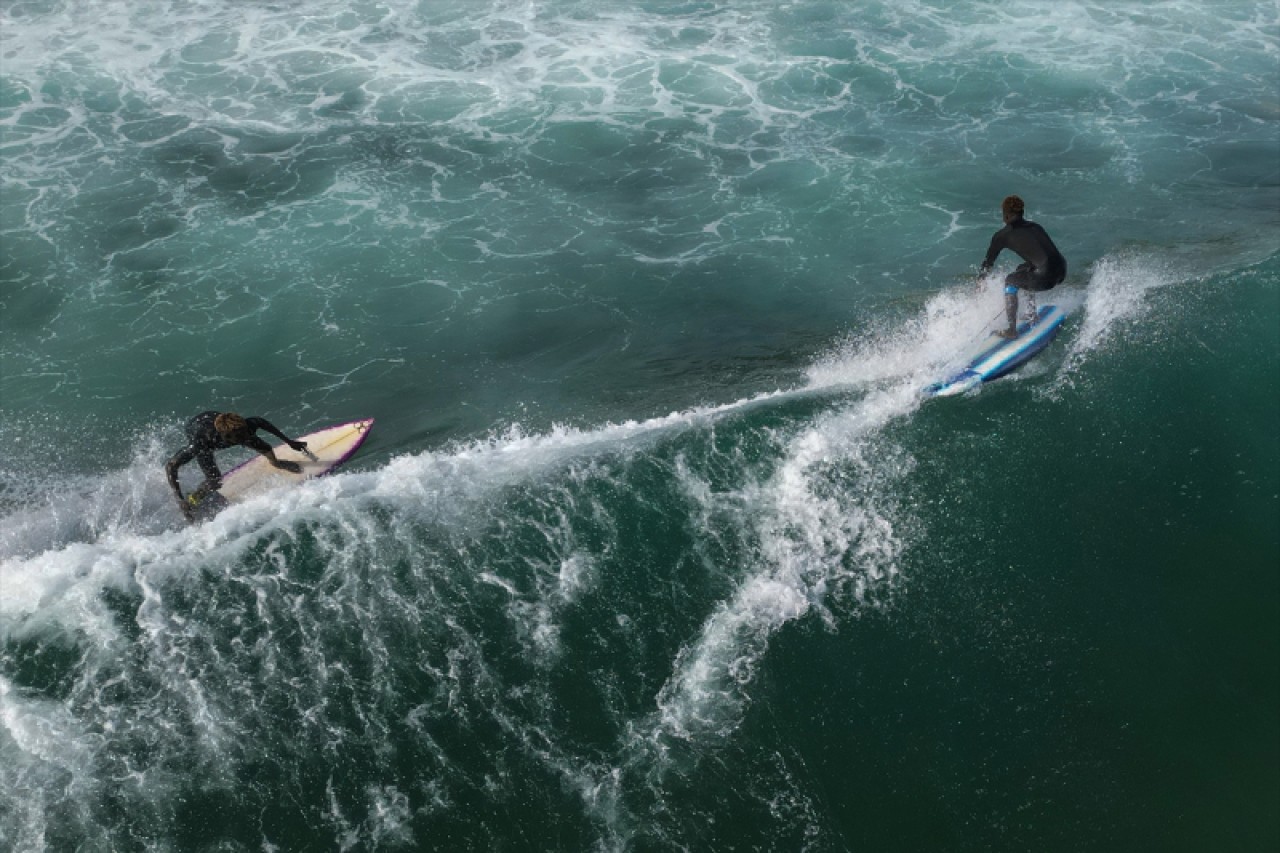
[
  {"x": 282, "y": 464},
  {"x": 263, "y": 448},
  {"x": 264, "y": 424}
]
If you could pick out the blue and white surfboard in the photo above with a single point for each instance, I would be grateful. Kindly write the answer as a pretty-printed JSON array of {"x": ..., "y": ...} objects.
[{"x": 997, "y": 356}]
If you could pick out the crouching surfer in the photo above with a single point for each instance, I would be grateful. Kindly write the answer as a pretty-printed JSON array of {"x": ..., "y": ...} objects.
[
  {"x": 1043, "y": 266},
  {"x": 210, "y": 431}
]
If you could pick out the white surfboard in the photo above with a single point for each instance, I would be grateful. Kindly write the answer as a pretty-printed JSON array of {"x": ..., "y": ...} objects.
[
  {"x": 326, "y": 450},
  {"x": 996, "y": 356}
]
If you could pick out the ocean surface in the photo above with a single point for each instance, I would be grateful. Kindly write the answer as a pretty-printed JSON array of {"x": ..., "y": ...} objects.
[{"x": 655, "y": 544}]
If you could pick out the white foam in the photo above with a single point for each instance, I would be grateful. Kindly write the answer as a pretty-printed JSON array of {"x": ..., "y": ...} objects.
[
  {"x": 390, "y": 816},
  {"x": 46, "y": 753},
  {"x": 492, "y": 59},
  {"x": 814, "y": 538},
  {"x": 1117, "y": 295},
  {"x": 49, "y": 511},
  {"x": 918, "y": 345}
]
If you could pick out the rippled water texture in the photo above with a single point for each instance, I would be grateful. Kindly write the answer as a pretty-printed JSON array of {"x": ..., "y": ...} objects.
[{"x": 655, "y": 544}]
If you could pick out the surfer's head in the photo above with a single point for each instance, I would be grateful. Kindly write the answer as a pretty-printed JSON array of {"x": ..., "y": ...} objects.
[
  {"x": 1012, "y": 208},
  {"x": 231, "y": 426}
]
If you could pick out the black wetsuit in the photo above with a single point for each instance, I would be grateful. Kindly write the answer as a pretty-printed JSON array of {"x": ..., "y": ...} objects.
[
  {"x": 203, "y": 439},
  {"x": 1044, "y": 265}
]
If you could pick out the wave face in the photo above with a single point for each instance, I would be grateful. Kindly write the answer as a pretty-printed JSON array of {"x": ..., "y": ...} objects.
[{"x": 655, "y": 545}]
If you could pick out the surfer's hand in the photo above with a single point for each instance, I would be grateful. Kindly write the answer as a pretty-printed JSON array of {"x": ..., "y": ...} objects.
[
  {"x": 292, "y": 467},
  {"x": 188, "y": 511},
  {"x": 300, "y": 446}
]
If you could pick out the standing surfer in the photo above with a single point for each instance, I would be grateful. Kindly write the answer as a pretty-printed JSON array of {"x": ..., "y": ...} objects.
[
  {"x": 210, "y": 431},
  {"x": 1043, "y": 266}
]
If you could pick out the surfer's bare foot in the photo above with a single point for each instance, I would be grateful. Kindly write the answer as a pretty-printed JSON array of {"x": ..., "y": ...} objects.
[{"x": 1007, "y": 334}]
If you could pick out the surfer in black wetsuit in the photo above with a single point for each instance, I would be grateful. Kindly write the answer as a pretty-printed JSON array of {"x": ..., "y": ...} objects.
[
  {"x": 210, "y": 431},
  {"x": 1043, "y": 266}
]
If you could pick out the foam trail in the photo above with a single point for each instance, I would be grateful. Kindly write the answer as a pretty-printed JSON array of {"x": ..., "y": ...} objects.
[
  {"x": 827, "y": 518},
  {"x": 813, "y": 538},
  {"x": 42, "y": 568}
]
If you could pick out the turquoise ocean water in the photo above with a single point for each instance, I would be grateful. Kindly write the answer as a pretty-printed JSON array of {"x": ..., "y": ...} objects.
[{"x": 655, "y": 545}]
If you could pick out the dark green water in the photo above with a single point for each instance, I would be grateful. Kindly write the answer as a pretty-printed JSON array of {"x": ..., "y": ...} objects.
[{"x": 655, "y": 544}]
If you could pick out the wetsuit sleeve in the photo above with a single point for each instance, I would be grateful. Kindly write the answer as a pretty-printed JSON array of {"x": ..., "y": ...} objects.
[
  {"x": 264, "y": 424},
  {"x": 209, "y": 465},
  {"x": 993, "y": 251},
  {"x": 182, "y": 457},
  {"x": 255, "y": 443}
]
